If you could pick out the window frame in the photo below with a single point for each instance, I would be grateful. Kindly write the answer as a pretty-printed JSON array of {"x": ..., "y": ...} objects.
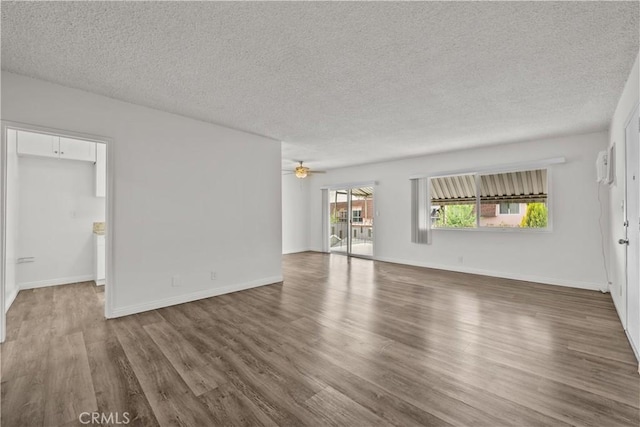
[{"x": 521, "y": 167}]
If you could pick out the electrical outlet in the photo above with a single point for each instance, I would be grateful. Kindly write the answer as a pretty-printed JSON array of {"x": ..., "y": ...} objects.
[
  {"x": 460, "y": 260},
  {"x": 214, "y": 275},
  {"x": 176, "y": 281}
]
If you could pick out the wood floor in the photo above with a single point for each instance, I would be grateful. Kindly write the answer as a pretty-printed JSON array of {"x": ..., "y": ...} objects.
[{"x": 340, "y": 342}]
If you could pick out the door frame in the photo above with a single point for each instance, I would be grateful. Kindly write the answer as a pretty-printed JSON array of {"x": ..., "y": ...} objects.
[
  {"x": 635, "y": 115},
  {"x": 327, "y": 225},
  {"x": 109, "y": 210}
]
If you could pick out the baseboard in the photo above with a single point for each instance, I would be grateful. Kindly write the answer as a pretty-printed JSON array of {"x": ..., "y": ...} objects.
[
  {"x": 100, "y": 282},
  {"x": 633, "y": 347},
  {"x": 295, "y": 251},
  {"x": 620, "y": 309},
  {"x": 194, "y": 296},
  {"x": 9, "y": 300},
  {"x": 54, "y": 282},
  {"x": 501, "y": 274}
]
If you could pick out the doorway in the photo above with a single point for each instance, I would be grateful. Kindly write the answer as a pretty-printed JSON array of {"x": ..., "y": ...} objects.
[
  {"x": 54, "y": 209},
  {"x": 632, "y": 226},
  {"x": 351, "y": 214}
]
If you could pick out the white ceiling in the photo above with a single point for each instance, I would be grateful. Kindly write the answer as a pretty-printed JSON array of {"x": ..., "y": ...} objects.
[{"x": 342, "y": 83}]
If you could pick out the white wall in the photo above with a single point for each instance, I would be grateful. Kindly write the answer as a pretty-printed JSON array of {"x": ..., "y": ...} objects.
[
  {"x": 57, "y": 208},
  {"x": 295, "y": 214},
  {"x": 183, "y": 202},
  {"x": 12, "y": 221},
  {"x": 628, "y": 100},
  {"x": 569, "y": 255}
]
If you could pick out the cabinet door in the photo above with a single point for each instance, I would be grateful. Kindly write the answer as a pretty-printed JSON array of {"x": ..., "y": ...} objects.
[
  {"x": 101, "y": 170},
  {"x": 36, "y": 144},
  {"x": 77, "y": 149}
]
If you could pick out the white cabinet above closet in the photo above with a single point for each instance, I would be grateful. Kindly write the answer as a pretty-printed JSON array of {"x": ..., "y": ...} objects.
[
  {"x": 37, "y": 144},
  {"x": 43, "y": 145},
  {"x": 77, "y": 149}
]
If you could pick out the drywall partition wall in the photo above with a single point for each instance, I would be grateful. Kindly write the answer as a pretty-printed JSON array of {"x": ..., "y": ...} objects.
[
  {"x": 295, "y": 214},
  {"x": 57, "y": 208},
  {"x": 628, "y": 101},
  {"x": 12, "y": 221},
  {"x": 570, "y": 255},
  {"x": 188, "y": 220}
]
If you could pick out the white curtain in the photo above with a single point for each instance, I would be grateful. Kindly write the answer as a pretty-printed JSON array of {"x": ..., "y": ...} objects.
[
  {"x": 325, "y": 220},
  {"x": 420, "y": 230}
]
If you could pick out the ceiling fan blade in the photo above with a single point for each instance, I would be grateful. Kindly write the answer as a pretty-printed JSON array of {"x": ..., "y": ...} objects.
[{"x": 312, "y": 171}]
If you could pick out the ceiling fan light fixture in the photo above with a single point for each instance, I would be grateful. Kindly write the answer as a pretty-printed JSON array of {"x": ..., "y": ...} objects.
[{"x": 301, "y": 172}]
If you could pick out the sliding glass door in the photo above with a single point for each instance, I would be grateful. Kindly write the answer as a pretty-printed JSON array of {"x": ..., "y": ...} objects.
[
  {"x": 351, "y": 221},
  {"x": 339, "y": 225}
]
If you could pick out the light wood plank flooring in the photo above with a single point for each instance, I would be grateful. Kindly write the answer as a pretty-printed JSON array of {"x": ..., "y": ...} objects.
[{"x": 340, "y": 342}]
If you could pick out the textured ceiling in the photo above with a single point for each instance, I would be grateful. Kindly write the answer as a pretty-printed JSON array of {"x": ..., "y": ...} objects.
[{"x": 342, "y": 83}]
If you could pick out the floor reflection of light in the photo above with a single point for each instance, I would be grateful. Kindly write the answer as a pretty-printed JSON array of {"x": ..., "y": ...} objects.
[
  {"x": 488, "y": 328},
  {"x": 535, "y": 330},
  {"x": 348, "y": 308}
]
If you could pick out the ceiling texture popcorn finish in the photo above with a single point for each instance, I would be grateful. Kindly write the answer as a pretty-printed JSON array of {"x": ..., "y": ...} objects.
[{"x": 342, "y": 83}]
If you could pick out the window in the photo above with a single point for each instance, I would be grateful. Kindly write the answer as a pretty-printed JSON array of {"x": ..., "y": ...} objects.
[
  {"x": 357, "y": 216},
  {"x": 342, "y": 216},
  {"x": 521, "y": 197},
  {"x": 509, "y": 208},
  {"x": 500, "y": 200},
  {"x": 453, "y": 198},
  {"x": 473, "y": 199}
]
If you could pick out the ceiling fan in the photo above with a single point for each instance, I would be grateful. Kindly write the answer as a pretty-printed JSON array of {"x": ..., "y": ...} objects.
[{"x": 302, "y": 171}]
